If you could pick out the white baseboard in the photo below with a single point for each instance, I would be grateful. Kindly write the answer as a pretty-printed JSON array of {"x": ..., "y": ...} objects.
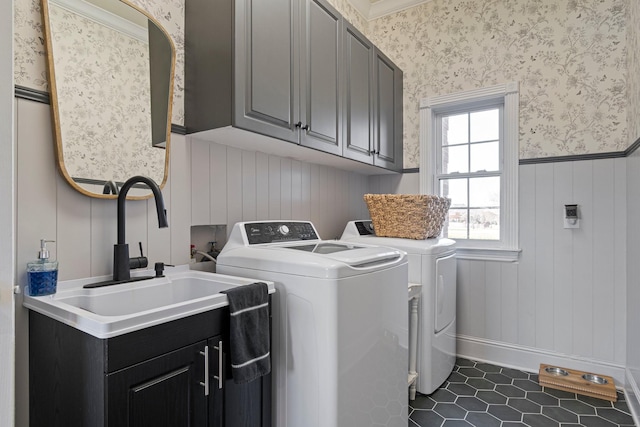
[
  {"x": 632, "y": 393},
  {"x": 529, "y": 358}
]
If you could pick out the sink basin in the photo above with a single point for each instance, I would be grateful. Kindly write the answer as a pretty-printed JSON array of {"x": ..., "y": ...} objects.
[{"x": 114, "y": 310}]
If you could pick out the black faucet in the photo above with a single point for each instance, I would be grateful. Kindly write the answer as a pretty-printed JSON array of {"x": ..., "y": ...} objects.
[{"x": 121, "y": 263}]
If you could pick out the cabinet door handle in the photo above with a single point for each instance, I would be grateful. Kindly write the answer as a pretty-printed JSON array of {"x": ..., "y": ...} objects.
[
  {"x": 205, "y": 384},
  {"x": 299, "y": 124},
  {"x": 219, "y": 376},
  {"x": 305, "y": 127}
]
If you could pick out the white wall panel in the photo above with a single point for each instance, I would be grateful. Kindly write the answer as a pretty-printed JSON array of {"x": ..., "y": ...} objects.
[
  {"x": 562, "y": 296},
  {"x": 200, "y": 182},
  {"x": 583, "y": 260},
  {"x": 296, "y": 190},
  {"x": 249, "y": 188},
  {"x": 234, "y": 186},
  {"x": 262, "y": 186},
  {"x": 74, "y": 233},
  {"x": 180, "y": 200},
  {"x": 603, "y": 255},
  {"x": 493, "y": 300},
  {"x": 285, "y": 193},
  {"x": 275, "y": 187},
  {"x": 544, "y": 215},
  {"x": 509, "y": 307},
  {"x": 218, "y": 177},
  {"x": 620, "y": 261},
  {"x": 527, "y": 268},
  {"x": 566, "y": 294},
  {"x": 306, "y": 198}
]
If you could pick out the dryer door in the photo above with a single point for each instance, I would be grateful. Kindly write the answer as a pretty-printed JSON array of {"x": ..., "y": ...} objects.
[{"x": 445, "y": 295}]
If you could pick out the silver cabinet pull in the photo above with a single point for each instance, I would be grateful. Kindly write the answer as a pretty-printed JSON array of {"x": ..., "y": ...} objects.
[
  {"x": 205, "y": 384},
  {"x": 219, "y": 376}
]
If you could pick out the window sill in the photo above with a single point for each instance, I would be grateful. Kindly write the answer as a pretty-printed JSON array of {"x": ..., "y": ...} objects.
[{"x": 488, "y": 254}]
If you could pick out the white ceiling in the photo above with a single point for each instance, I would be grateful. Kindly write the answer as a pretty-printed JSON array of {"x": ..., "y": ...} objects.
[{"x": 372, "y": 9}]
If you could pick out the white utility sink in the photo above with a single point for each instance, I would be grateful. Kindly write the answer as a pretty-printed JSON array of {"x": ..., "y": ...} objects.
[{"x": 117, "y": 309}]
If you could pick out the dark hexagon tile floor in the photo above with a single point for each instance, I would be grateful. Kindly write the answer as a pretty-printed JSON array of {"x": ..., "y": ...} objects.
[{"x": 483, "y": 395}]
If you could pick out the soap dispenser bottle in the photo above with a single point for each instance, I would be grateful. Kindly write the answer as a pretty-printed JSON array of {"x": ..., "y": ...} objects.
[{"x": 42, "y": 274}]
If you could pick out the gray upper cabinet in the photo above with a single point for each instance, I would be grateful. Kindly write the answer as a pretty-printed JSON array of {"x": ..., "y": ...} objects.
[
  {"x": 372, "y": 103},
  {"x": 293, "y": 70},
  {"x": 387, "y": 133},
  {"x": 320, "y": 77},
  {"x": 240, "y": 66},
  {"x": 358, "y": 96}
]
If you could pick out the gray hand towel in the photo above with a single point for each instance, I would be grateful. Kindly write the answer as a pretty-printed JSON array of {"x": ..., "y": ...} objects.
[{"x": 249, "y": 331}]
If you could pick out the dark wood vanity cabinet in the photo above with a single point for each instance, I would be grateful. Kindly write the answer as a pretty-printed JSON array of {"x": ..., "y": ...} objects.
[{"x": 151, "y": 377}]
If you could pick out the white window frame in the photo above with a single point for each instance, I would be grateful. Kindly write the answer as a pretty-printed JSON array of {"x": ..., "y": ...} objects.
[{"x": 507, "y": 248}]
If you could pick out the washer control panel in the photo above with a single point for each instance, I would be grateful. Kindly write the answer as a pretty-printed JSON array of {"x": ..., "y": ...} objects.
[
  {"x": 279, "y": 231},
  {"x": 365, "y": 228}
]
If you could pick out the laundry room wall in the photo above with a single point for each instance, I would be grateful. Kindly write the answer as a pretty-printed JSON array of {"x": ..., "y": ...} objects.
[
  {"x": 207, "y": 184},
  {"x": 564, "y": 301},
  {"x": 633, "y": 210}
]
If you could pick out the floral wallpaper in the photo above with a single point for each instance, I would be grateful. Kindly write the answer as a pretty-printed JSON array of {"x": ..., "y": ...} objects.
[
  {"x": 633, "y": 73},
  {"x": 93, "y": 144},
  {"x": 569, "y": 57},
  {"x": 29, "y": 47}
]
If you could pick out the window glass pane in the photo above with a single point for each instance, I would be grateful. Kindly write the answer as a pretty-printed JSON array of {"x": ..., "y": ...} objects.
[
  {"x": 456, "y": 227},
  {"x": 485, "y": 125},
  {"x": 456, "y": 190},
  {"x": 484, "y": 224},
  {"x": 484, "y": 192},
  {"x": 485, "y": 156},
  {"x": 455, "y": 159},
  {"x": 455, "y": 129}
]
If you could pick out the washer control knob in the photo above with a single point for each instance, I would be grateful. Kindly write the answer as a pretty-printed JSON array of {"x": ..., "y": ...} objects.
[{"x": 283, "y": 229}]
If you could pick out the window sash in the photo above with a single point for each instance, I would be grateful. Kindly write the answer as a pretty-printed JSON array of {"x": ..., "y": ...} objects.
[
  {"x": 508, "y": 248},
  {"x": 441, "y": 176}
]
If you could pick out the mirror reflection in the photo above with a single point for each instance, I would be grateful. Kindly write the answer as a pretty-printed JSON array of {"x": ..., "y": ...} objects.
[{"x": 111, "y": 80}]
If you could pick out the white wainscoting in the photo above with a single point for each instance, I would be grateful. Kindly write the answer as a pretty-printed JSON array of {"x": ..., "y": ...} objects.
[
  {"x": 565, "y": 300},
  {"x": 208, "y": 184},
  {"x": 633, "y": 286},
  {"x": 229, "y": 185}
]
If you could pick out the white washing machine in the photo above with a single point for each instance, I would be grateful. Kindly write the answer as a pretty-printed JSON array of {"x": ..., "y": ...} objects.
[
  {"x": 339, "y": 314},
  {"x": 432, "y": 263}
]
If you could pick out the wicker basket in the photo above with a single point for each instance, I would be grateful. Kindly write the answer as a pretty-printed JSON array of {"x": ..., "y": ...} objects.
[{"x": 409, "y": 216}]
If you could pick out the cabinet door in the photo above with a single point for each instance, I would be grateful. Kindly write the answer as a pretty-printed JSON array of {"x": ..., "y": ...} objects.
[
  {"x": 266, "y": 84},
  {"x": 320, "y": 75},
  {"x": 358, "y": 96},
  {"x": 216, "y": 382},
  {"x": 162, "y": 392},
  {"x": 388, "y": 113},
  {"x": 248, "y": 404}
]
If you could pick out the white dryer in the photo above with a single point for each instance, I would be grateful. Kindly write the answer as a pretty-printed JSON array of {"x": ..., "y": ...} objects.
[
  {"x": 339, "y": 315},
  {"x": 432, "y": 263}
]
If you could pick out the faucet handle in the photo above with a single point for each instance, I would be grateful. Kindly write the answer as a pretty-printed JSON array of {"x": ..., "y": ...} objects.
[{"x": 138, "y": 262}]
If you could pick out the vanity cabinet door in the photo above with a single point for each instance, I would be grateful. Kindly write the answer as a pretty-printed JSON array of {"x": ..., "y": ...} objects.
[{"x": 165, "y": 391}]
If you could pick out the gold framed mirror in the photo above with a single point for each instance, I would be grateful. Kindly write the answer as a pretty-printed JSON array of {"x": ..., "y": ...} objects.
[{"x": 111, "y": 67}]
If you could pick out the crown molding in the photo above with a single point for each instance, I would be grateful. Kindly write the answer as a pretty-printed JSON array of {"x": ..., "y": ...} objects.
[
  {"x": 106, "y": 18},
  {"x": 377, "y": 9}
]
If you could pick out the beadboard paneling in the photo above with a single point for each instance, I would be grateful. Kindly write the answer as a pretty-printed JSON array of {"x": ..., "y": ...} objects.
[
  {"x": 566, "y": 295},
  {"x": 261, "y": 186}
]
